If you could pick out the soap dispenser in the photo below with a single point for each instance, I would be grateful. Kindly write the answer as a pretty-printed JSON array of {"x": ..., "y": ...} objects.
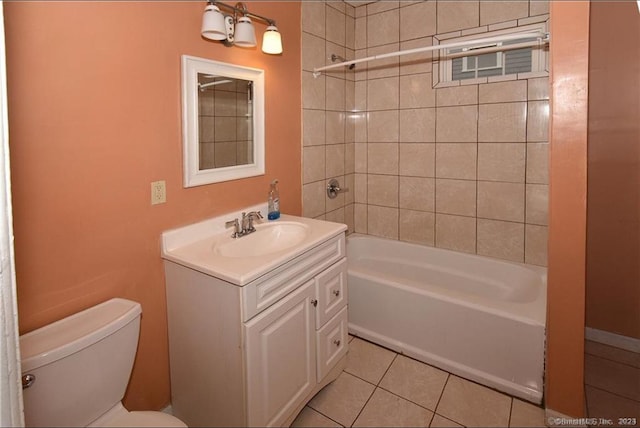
[{"x": 274, "y": 201}]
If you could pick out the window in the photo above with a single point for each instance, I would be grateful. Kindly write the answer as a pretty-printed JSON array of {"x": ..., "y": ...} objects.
[{"x": 493, "y": 59}]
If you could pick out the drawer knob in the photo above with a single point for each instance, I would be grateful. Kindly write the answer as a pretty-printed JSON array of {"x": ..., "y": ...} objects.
[
  {"x": 336, "y": 342},
  {"x": 336, "y": 292},
  {"x": 314, "y": 302}
]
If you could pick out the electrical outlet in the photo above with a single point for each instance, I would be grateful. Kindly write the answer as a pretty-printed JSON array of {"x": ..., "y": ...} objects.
[{"x": 158, "y": 192}]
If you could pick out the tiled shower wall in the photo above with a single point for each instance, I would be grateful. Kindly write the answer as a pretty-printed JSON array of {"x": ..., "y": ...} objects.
[{"x": 462, "y": 167}]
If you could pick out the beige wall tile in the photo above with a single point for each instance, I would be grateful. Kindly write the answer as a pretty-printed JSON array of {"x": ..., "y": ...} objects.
[
  {"x": 382, "y": 6},
  {"x": 456, "y": 197},
  {"x": 334, "y": 160},
  {"x": 383, "y": 94},
  {"x": 536, "y": 245},
  {"x": 350, "y": 32},
  {"x": 206, "y": 103},
  {"x": 313, "y": 127},
  {"x": 361, "y": 157},
  {"x": 457, "y": 96},
  {"x": 501, "y": 239},
  {"x": 383, "y": 28},
  {"x": 538, "y": 89},
  {"x": 225, "y": 103},
  {"x": 207, "y": 130},
  {"x": 457, "y": 124},
  {"x": 382, "y": 126},
  {"x": 360, "y": 218},
  {"x": 336, "y": 216},
  {"x": 538, "y": 163},
  {"x": 456, "y": 233},
  {"x": 416, "y": 63},
  {"x": 502, "y": 162},
  {"x": 360, "y": 96},
  {"x": 313, "y": 199},
  {"x": 349, "y": 158},
  {"x": 349, "y": 218},
  {"x": 350, "y": 185},
  {"x": 418, "y": 125},
  {"x": 417, "y": 193},
  {"x": 457, "y": 15},
  {"x": 360, "y": 192},
  {"x": 418, "y": 20},
  {"x": 502, "y": 92},
  {"x": 207, "y": 155},
  {"x": 313, "y": 51},
  {"x": 360, "y": 124},
  {"x": 506, "y": 122},
  {"x": 537, "y": 208},
  {"x": 382, "y": 158},
  {"x": 332, "y": 48},
  {"x": 313, "y": 18},
  {"x": 313, "y": 91},
  {"x": 538, "y": 121},
  {"x": 417, "y": 159},
  {"x": 501, "y": 201},
  {"x": 417, "y": 226},
  {"x": 335, "y": 26},
  {"x": 538, "y": 7},
  {"x": 416, "y": 91},
  {"x": 361, "y": 33},
  {"x": 335, "y": 94},
  {"x": 382, "y": 190},
  {"x": 500, "y": 11},
  {"x": 334, "y": 131},
  {"x": 313, "y": 158},
  {"x": 456, "y": 160},
  {"x": 382, "y": 221}
]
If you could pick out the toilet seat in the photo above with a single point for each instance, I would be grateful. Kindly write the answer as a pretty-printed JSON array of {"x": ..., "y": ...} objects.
[
  {"x": 118, "y": 416},
  {"x": 146, "y": 419}
]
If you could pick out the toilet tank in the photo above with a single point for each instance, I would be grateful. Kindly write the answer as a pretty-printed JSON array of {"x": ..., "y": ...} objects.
[{"x": 81, "y": 364}]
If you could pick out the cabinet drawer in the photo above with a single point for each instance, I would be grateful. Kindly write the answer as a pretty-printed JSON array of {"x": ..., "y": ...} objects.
[
  {"x": 267, "y": 290},
  {"x": 332, "y": 343},
  {"x": 331, "y": 289}
]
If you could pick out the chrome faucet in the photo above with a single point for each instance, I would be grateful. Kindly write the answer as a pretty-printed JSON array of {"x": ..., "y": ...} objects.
[{"x": 246, "y": 226}]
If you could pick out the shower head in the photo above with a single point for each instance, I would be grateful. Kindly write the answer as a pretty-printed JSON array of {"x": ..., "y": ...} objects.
[{"x": 335, "y": 58}]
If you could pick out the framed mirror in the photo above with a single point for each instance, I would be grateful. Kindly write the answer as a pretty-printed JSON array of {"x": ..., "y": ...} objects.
[{"x": 222, "y": 121}]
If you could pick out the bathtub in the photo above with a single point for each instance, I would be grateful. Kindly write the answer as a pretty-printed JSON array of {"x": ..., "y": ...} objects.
[{"x": 477, "y": 317}]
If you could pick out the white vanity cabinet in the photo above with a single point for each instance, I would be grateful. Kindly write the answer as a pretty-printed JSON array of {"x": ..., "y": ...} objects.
[{"x": 255, "y": 354}]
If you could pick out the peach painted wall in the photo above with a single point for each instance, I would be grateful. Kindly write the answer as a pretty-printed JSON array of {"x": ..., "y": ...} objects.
[
  {"x": 613, "y": 234},
  {"x": 567, "y": 207},
  {"x": 94, "y": 118}
]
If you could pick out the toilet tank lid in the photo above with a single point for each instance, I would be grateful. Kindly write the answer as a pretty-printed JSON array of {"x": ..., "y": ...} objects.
[{"x": 75, "y": 332}]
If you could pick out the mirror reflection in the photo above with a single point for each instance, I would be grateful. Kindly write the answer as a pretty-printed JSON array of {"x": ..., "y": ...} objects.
[{"x": 225, "y": 116}]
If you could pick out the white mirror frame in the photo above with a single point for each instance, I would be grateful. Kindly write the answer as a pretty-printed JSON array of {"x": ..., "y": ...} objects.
[{"x": 193, "y": 175}]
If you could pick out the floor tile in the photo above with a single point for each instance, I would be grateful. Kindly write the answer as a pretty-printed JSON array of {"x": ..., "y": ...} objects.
[
  {"x": 343, "y": 399},
  {"x": 310, "y": 418},
  {"x": 415, "y": 381},
  {"x": 612, "y": 353},
  {"x": 603, "y": 404},
  {"x": 608, "y": 375},
  {"x": 388, "y": 410},
  {"x": 439, "y": 421},
  {"x": 471, "y": 404},
  {"x": 368, "y": 361},
  {"x": 526, "y": 415}
]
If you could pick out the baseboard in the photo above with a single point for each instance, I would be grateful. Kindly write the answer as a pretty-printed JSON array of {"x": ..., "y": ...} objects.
[{"x": 624, "y": 342}]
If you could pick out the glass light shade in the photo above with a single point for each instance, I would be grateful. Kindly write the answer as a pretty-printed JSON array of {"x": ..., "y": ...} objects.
[
  {"x": 245, "y": 35},
  {"x": 272, "y": 41},
  {"x": 213, "y": 27}
]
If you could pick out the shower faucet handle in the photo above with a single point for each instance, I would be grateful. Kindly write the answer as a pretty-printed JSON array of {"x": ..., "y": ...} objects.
[{"x": 333, "y": 188}]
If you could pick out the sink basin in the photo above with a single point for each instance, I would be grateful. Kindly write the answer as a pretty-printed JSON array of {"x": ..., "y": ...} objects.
[{"x": 267, "y": 239}]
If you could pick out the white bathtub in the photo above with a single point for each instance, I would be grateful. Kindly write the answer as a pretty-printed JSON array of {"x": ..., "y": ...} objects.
[{"x": 477, "y": 317}]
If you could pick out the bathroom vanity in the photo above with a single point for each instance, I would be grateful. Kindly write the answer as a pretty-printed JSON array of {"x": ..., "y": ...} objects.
[{"x": 257, "y": 324}]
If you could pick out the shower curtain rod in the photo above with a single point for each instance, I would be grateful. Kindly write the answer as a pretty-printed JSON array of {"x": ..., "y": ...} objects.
[{"x": 542, "y": 37}]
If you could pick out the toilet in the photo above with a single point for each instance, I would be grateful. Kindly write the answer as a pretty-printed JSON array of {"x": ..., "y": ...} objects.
[{"x": 75, "y": 371}]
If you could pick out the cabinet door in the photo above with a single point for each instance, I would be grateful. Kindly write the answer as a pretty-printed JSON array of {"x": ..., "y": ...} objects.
[{"x": 281, "y": 357}]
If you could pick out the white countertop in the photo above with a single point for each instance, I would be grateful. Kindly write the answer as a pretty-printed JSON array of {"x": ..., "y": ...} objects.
[{"x": 193, "y": 245}]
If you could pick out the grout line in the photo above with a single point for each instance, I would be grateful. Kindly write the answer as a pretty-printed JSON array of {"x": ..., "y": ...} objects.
[
  {"x": 613, "y": 360},
  {"x": 612, "y": 393}
]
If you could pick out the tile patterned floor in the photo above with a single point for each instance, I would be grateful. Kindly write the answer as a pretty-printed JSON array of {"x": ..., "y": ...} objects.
[
  {"x": 612, "y": 382},
  {"x": 382, "y": 388}
]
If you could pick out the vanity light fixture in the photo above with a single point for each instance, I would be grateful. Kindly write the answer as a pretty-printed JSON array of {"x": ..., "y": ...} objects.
[{"x": 237, "y": 29}]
